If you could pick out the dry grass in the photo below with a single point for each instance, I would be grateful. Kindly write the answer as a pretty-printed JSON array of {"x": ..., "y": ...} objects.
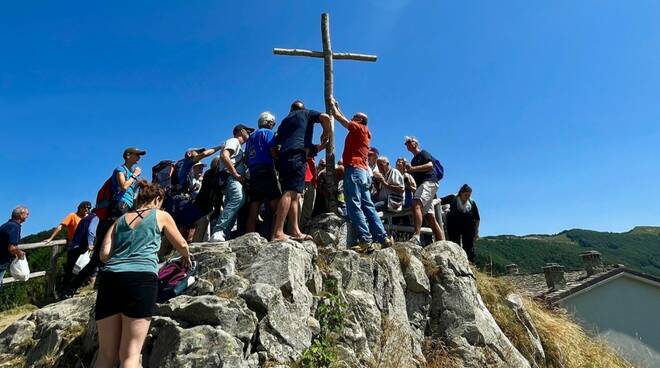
[
  {"x": 437, "y": 355},
  {"x": 227, "y": 293},
  {"x": 394, "y": 350},
  {"x": 404, "y": 256},
  {"x": 565, "y": 343},
  {"x": 12, "y": 315}
]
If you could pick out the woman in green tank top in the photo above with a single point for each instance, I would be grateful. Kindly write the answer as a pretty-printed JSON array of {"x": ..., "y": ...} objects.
[{"x": 128, "y": 282}]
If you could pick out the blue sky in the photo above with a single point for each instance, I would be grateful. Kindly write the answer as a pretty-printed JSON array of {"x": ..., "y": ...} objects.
[{"x": 549, "y": 110}]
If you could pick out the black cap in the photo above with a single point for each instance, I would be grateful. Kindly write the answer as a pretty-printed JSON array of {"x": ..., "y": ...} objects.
[
  {"x": 135, "y": 150},
  {"x": 238, "y": 128},
  {"x": 86, "y": 204}
]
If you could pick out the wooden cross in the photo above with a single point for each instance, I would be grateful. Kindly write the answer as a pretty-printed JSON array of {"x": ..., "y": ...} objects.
[{"x": 328, "y": 84}]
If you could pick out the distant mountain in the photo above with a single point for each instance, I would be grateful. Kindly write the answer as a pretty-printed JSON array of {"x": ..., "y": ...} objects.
[{"x": 638, "y": 249}]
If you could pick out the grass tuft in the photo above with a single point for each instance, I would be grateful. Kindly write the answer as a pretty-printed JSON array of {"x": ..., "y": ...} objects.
[{"x": 565, "y": 343}]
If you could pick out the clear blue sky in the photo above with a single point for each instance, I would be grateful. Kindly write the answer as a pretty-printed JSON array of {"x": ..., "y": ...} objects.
[{"x": 549, "y": 110}]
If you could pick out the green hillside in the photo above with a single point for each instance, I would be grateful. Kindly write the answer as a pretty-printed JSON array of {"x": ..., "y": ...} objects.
[{"x": 637, "y": 249}]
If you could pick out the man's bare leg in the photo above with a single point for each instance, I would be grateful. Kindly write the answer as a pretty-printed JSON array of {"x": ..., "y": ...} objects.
[
  {"x": 294, "y": 218},
  {"x": 417, "y": 216},
  {"x": 253, "y": 212},
  {"x": 435, "y": 226},
  {"x": 283, "y": 208}
]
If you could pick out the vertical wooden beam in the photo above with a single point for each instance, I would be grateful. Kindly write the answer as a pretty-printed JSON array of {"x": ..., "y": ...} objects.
[
  {"x": 328, "y": 92},
  {"x": 52, "y": 271}
]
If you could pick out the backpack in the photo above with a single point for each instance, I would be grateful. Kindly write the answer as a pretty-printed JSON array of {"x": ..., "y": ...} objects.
[
  {"x": 162, "y": 173},
  {"x": 439, "y": 170},
  {"x": 104, "y": 199},
  {"x": 174, "y": 278}
]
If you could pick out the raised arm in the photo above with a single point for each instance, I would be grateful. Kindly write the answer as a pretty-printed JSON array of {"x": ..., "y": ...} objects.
[
  {"x": 55, "y": 232},
  {"x": 338, "y": 114},
  {"x": 174, "y": 236},
  {"x": 206, "y": 153},
  {"x": 327, "y": 129}
]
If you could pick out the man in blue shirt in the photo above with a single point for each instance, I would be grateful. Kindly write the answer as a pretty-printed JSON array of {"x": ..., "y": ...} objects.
[
  {"x": 294, "y": 138},
  {"x": 263, "y": 186},
  {"x": 10, "y": 235}
]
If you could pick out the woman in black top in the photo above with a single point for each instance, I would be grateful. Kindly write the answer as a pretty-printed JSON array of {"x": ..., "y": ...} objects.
[{"x": 463, "y": 219}]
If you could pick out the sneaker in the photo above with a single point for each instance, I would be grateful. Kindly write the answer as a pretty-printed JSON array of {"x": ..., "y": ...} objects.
[
  {"x": 415, "y": 240},
  {"x": 361, "y": 247},
  {"x": 218, "y": 236},
  {"x": 387, "y": 242}
]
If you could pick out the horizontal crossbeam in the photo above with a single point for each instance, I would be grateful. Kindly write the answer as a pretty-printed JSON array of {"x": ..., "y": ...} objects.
[{"x": 319, "y": 54}]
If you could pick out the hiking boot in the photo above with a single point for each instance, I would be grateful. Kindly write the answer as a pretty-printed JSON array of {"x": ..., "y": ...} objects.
[{"x": 387, "y": 242}]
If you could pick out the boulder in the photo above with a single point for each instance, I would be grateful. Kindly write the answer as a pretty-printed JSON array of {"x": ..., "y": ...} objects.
[
  {"x": 231, "y": 315},
  {"x": 257, "y": 303},
  {"x": 171, "y": 346},
  {"x": 459, "y": 317}
]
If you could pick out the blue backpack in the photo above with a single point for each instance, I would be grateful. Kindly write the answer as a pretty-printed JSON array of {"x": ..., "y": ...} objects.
[{"x": 439, "y": 170}]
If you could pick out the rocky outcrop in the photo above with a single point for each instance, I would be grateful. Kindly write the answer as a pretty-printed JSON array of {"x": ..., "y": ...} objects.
[
  {"x": 458, "y": 315},
  {"x": 262, "y": 304}
]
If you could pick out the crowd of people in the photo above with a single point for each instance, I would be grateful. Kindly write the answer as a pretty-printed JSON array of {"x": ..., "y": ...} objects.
[{"x": 262, "y": 180}]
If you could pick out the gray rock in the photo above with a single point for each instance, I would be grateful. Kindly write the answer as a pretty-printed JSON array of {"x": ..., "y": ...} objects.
[
  {"x": 246, "y": 248},
  {"x": 459, "y": 316},
  {"x": 287, "y": 267},
  {"x": 259, "y": 297},
  {"x": 200, "y": 287},
  {"x": 16, "y": 338},
  {"x": 171, "y": 346},
  {"x": 328, "y": 223},
  {"x": 231, "y": 315},
  {"x": 232, "y": 286},
  {"x": 515, "y": 302}
]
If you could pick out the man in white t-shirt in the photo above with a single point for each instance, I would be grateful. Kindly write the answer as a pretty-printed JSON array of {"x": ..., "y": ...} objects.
[
  {"x": 231, "y": 171},
  {"x": 390, "y": 194}
]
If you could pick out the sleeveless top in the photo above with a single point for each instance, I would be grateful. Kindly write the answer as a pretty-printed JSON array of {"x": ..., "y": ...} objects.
[{"x": 135, "y": 250}]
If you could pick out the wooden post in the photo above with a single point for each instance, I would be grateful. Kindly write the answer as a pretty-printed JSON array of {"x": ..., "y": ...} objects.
[
  {"x": 328, "y": 57},
  {"x": 52, "y": 271},
  {"x": 328, "y": 91}
]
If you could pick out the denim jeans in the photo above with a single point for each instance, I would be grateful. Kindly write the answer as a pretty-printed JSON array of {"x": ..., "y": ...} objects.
[
  {"x": 3, "y": 268},
  {"x": 234, "y": 200},
  {"x": 361, "y": 211}
]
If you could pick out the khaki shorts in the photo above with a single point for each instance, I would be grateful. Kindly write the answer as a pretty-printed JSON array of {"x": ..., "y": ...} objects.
[{"x": 426, "y": 193}]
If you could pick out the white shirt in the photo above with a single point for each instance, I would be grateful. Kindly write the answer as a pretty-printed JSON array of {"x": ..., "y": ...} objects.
[
  {"x": 394, "y": 178},
  {"x": 233, "y": 145}
]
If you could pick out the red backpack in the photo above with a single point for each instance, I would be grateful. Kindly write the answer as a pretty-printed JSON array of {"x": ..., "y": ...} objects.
[{"x": 103, "y": 199}]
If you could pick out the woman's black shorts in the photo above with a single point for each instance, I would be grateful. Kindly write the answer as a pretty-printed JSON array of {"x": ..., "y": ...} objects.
[
  {"x": 292, "y": 167},
  {"x": 132, "y": 294}
]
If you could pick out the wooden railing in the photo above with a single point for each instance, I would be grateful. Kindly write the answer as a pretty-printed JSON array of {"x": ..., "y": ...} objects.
[{"x": 52, "y": 270}]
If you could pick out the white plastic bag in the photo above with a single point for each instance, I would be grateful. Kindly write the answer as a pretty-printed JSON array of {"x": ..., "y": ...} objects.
[
  {"x": 19, "y": 269},
  {"x": 82, "y": 261}
]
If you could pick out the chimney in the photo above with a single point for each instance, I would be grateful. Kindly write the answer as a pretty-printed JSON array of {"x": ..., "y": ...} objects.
[
  {"x": 511, "y": 269},
  {"x": 554, "y": 276},
  {"x": 592, "y": 262}
]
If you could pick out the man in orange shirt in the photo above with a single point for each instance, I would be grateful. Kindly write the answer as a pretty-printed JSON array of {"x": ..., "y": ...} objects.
[
  {"x": 71, "y": 221},
  {"x": 357, "y": 182}
]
